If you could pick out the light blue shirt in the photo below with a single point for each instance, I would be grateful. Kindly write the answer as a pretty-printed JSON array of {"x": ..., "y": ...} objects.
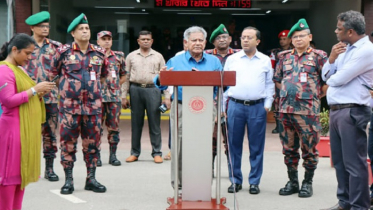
[
  {"x": 185, "y": 62},
  {"x": 253, "y": 77},
  {"x": 347, "y": 74}
]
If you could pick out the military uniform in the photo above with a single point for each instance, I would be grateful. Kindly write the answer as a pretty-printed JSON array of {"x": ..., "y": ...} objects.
[
  {"x": 38, "y": 69},
  {"x": 80, "y": 105},
  {"x": 111, "y": 97},
  {"x": 299, "y": 108}
]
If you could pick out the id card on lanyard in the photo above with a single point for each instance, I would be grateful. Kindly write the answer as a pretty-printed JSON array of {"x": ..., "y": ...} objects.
[
  {"x": 92, "y": 73},
  {"x": 303, "y": 75}
]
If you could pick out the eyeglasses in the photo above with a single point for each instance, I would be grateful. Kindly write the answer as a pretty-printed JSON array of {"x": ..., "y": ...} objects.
[
  {"x": 44, "y": 26},
  {"x": 299, "y": 36},
  {"x": 222, "y": 38},
  {"x": 145, "y": 40},
  {"x": 247, "y": 37}
]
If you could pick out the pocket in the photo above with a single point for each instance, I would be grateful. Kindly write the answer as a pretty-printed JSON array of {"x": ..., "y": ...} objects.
[
  {"x": 309, "y": 67},
  {"x": 94, "y": 90},
  {"x": 305, "y": 95}
]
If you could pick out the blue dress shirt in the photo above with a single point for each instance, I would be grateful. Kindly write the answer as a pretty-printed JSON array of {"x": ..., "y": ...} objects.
[
  {"x": 347, "y": 74},
  {"x": 185, "y": 62}
]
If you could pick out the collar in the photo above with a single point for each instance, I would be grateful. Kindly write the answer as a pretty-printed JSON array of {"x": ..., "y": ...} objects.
[
  {"x": 150, "y": 52},
  {"x": 76, "y": 47},
  {"x": 308, "y": 51},
  {"x": 243, "y": 54},
  {"x": 359, "y": 43},
  {"x": 189, "y": 56},
  {"x": 230, "y": 51}
]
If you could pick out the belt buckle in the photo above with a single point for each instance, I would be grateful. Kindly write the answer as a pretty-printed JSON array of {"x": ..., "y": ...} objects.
[
  {"x": 143, "y": 85},
  {"x": 246, "y": 103}
]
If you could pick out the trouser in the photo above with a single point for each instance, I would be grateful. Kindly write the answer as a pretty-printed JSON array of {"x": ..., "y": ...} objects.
[
  {"x": 370, "y": 150},
  {"x": 88, "y": 126},
  {"x": 149, "y": 100},
  {"x": 179, "y": 141},
  {"x": 11, "y": 197},
  {"x": 254, "y": 117},
  {"x": 215, "y": 140},
  {"x": 300, "y": 131},
  {"x": 276, "y": 103},
  {"x": 110, "y": 117},
  {"x": 348, "y": 142},
  {"x": 49, "y": 131}
]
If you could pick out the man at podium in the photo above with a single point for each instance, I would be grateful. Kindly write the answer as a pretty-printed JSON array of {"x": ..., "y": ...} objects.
[{"x": 194, "y": 59}]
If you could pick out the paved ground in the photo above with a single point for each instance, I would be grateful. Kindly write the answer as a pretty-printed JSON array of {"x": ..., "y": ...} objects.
[{"x": 144, "y": 185}]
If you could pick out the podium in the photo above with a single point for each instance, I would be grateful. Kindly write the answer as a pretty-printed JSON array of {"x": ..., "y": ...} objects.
[{"x": 197, "y": 122}]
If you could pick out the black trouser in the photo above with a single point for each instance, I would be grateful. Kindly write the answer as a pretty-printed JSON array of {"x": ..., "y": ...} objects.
[
  {"x": 148, "y": 99},
  {"x": 348, "y": 142}
]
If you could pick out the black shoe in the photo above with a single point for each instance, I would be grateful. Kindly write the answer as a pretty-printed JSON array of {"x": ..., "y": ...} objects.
[
  {"x": 91, "y": 183},
  {"x": 306, "y": 190},
  {"x": 274, "y": 131},
  {"x": 292, "y": 186},
  {"x": 234, "y": 188},
  {"x": 49, "y": 173},
  {"x": 68, "y": 187},
  {"x": 254, "y": 189},
  {"x": 99, "y": 163},
  {"x": 113, "y": 160}
]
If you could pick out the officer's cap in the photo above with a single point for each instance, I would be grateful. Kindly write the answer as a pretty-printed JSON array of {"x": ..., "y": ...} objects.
[
  {"x": 219, "y": 30},
  {"x": 283, "y": 33},
  {"x": 103, "y": 33},
  {"x": 37, "y": 18},
  {"x": 81, "y": 19},
  {"x": 300, "y": 26}
]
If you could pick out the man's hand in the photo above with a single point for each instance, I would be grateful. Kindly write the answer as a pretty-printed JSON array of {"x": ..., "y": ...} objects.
[
  {"x": 336, "y": 50},
  {"x": 125, "y": 103},
  {"x": 167, "y": 102},
  {"x": 267, "y": 109},
  {"x": 371, "y": 93},
  {"x": 164, "y": 68}
]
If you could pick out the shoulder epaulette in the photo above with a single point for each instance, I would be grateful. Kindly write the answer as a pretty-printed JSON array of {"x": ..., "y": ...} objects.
[
  {"x": 99, "y": 49},
  {"x": 283, "y": 53},
  {"x": 55, "y": 43},
  {"x": 208, "y": 51},
  {"x": 63, "y": 48},
  {"x": 120, "y": 53},
  {"x": 322, "y": 53}
]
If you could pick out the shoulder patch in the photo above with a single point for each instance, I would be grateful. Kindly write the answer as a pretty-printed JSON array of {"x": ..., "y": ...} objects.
[
  {"x": 283, "y": 53},
  {"x": 99, "y": 49},
  {"x": 63, "y": 48},
  {"x": 55, "y": 43},
  {"x": 322, "y": 53}
]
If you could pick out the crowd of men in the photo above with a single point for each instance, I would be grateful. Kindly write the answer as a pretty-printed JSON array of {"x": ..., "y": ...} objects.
[{"x": 93, "y": 83}]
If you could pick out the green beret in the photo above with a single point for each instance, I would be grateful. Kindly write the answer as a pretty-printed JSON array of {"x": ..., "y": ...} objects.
[
  {"x": 300, "y": 26},
  {"x": 81, "y": 19},
  {"x": 37, "y": 18},
  {"x": 219, "y": 30}
]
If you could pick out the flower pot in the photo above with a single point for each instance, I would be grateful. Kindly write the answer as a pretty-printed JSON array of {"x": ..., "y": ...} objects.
[{"x": 324, "y": 146}]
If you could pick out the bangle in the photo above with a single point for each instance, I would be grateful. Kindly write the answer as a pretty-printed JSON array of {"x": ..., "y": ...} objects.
[{"x": 33, "y": 91}]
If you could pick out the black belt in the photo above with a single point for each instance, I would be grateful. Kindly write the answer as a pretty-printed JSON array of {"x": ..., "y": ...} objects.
[
  {"x": 247, "y": 102},
  {"x": 334, "y": 107},
  {"x": 143, "y": 85}
]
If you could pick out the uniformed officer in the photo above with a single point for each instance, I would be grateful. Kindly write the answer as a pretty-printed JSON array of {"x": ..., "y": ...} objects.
[
  {"x": 38, "y": 68},
  {"x": 80, "y": 66},
  {"x": 111, "y": 93},
  {"x": 285, "y": 44},
  {"x": 221, "y": 39},
  {"x": 298, "y": 76}
]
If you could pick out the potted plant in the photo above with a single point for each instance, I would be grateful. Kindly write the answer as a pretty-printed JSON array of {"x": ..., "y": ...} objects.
[{"x": 324, "y": 145}]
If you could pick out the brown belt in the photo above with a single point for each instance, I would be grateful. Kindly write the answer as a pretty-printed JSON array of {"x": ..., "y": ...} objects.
[
  {"x": 143, "y": 85},
  {"x": 335, "y": 107}
]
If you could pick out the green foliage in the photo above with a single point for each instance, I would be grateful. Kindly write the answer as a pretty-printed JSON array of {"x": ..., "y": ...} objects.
[{"x": 324, "y": 120}]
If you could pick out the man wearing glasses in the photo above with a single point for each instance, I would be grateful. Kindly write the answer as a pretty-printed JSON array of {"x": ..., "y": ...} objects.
[
  {"x": 221, "y": 40},
  {"x": 298, "y": 76},
  {"x": 249, "y": 102},
  {"x": 38, "y": 68}
]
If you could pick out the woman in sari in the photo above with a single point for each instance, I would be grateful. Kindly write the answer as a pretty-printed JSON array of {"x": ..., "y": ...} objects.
[{"x": 20, "y": 123}]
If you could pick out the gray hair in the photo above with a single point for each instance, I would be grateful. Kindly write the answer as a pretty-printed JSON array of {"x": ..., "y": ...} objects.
[
  {"x": 353, "y": 20},
  {"x": 194, "y": 29}
]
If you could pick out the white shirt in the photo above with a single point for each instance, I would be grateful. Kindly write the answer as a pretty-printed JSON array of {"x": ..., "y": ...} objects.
[
  {"x": 253, "y": 77},
  {"x": 347, "y": 74}
]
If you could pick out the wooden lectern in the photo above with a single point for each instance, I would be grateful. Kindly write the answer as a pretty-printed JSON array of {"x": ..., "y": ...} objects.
[{"x": 197, "y": 112}]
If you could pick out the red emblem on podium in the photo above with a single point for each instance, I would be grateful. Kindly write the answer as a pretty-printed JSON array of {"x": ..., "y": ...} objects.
[{"x": 197, "y": 104}]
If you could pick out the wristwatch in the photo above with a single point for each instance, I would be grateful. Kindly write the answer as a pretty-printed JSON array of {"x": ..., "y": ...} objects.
[{"x": 33, "y": 91}]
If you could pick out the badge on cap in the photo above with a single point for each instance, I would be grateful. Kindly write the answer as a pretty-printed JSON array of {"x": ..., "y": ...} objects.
[
  {"x": 85, "y": 17},
  {"x": 301, "y": 25},
  {"x": 224, "y": 29},
  {"x": 72, "y": 57},
  {"x": 310, "y": 58},
  {"x": 283, "y": 33}
]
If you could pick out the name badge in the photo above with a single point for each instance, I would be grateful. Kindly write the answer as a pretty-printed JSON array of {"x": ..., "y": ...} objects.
[
  {"x": 303, "y": 77},
  {"x": 93, "y": 75},
  {"x": 113, "y": 74}
]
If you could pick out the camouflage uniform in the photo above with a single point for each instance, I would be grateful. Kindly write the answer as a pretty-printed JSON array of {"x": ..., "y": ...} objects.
[
  {"x": 80, "y": 102},
  {"x": 215, "y": 133},
  {"x": 300, "y": 105},
  {"x": 111, "y": 93},
  {"x": 38, "y": 68}
]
